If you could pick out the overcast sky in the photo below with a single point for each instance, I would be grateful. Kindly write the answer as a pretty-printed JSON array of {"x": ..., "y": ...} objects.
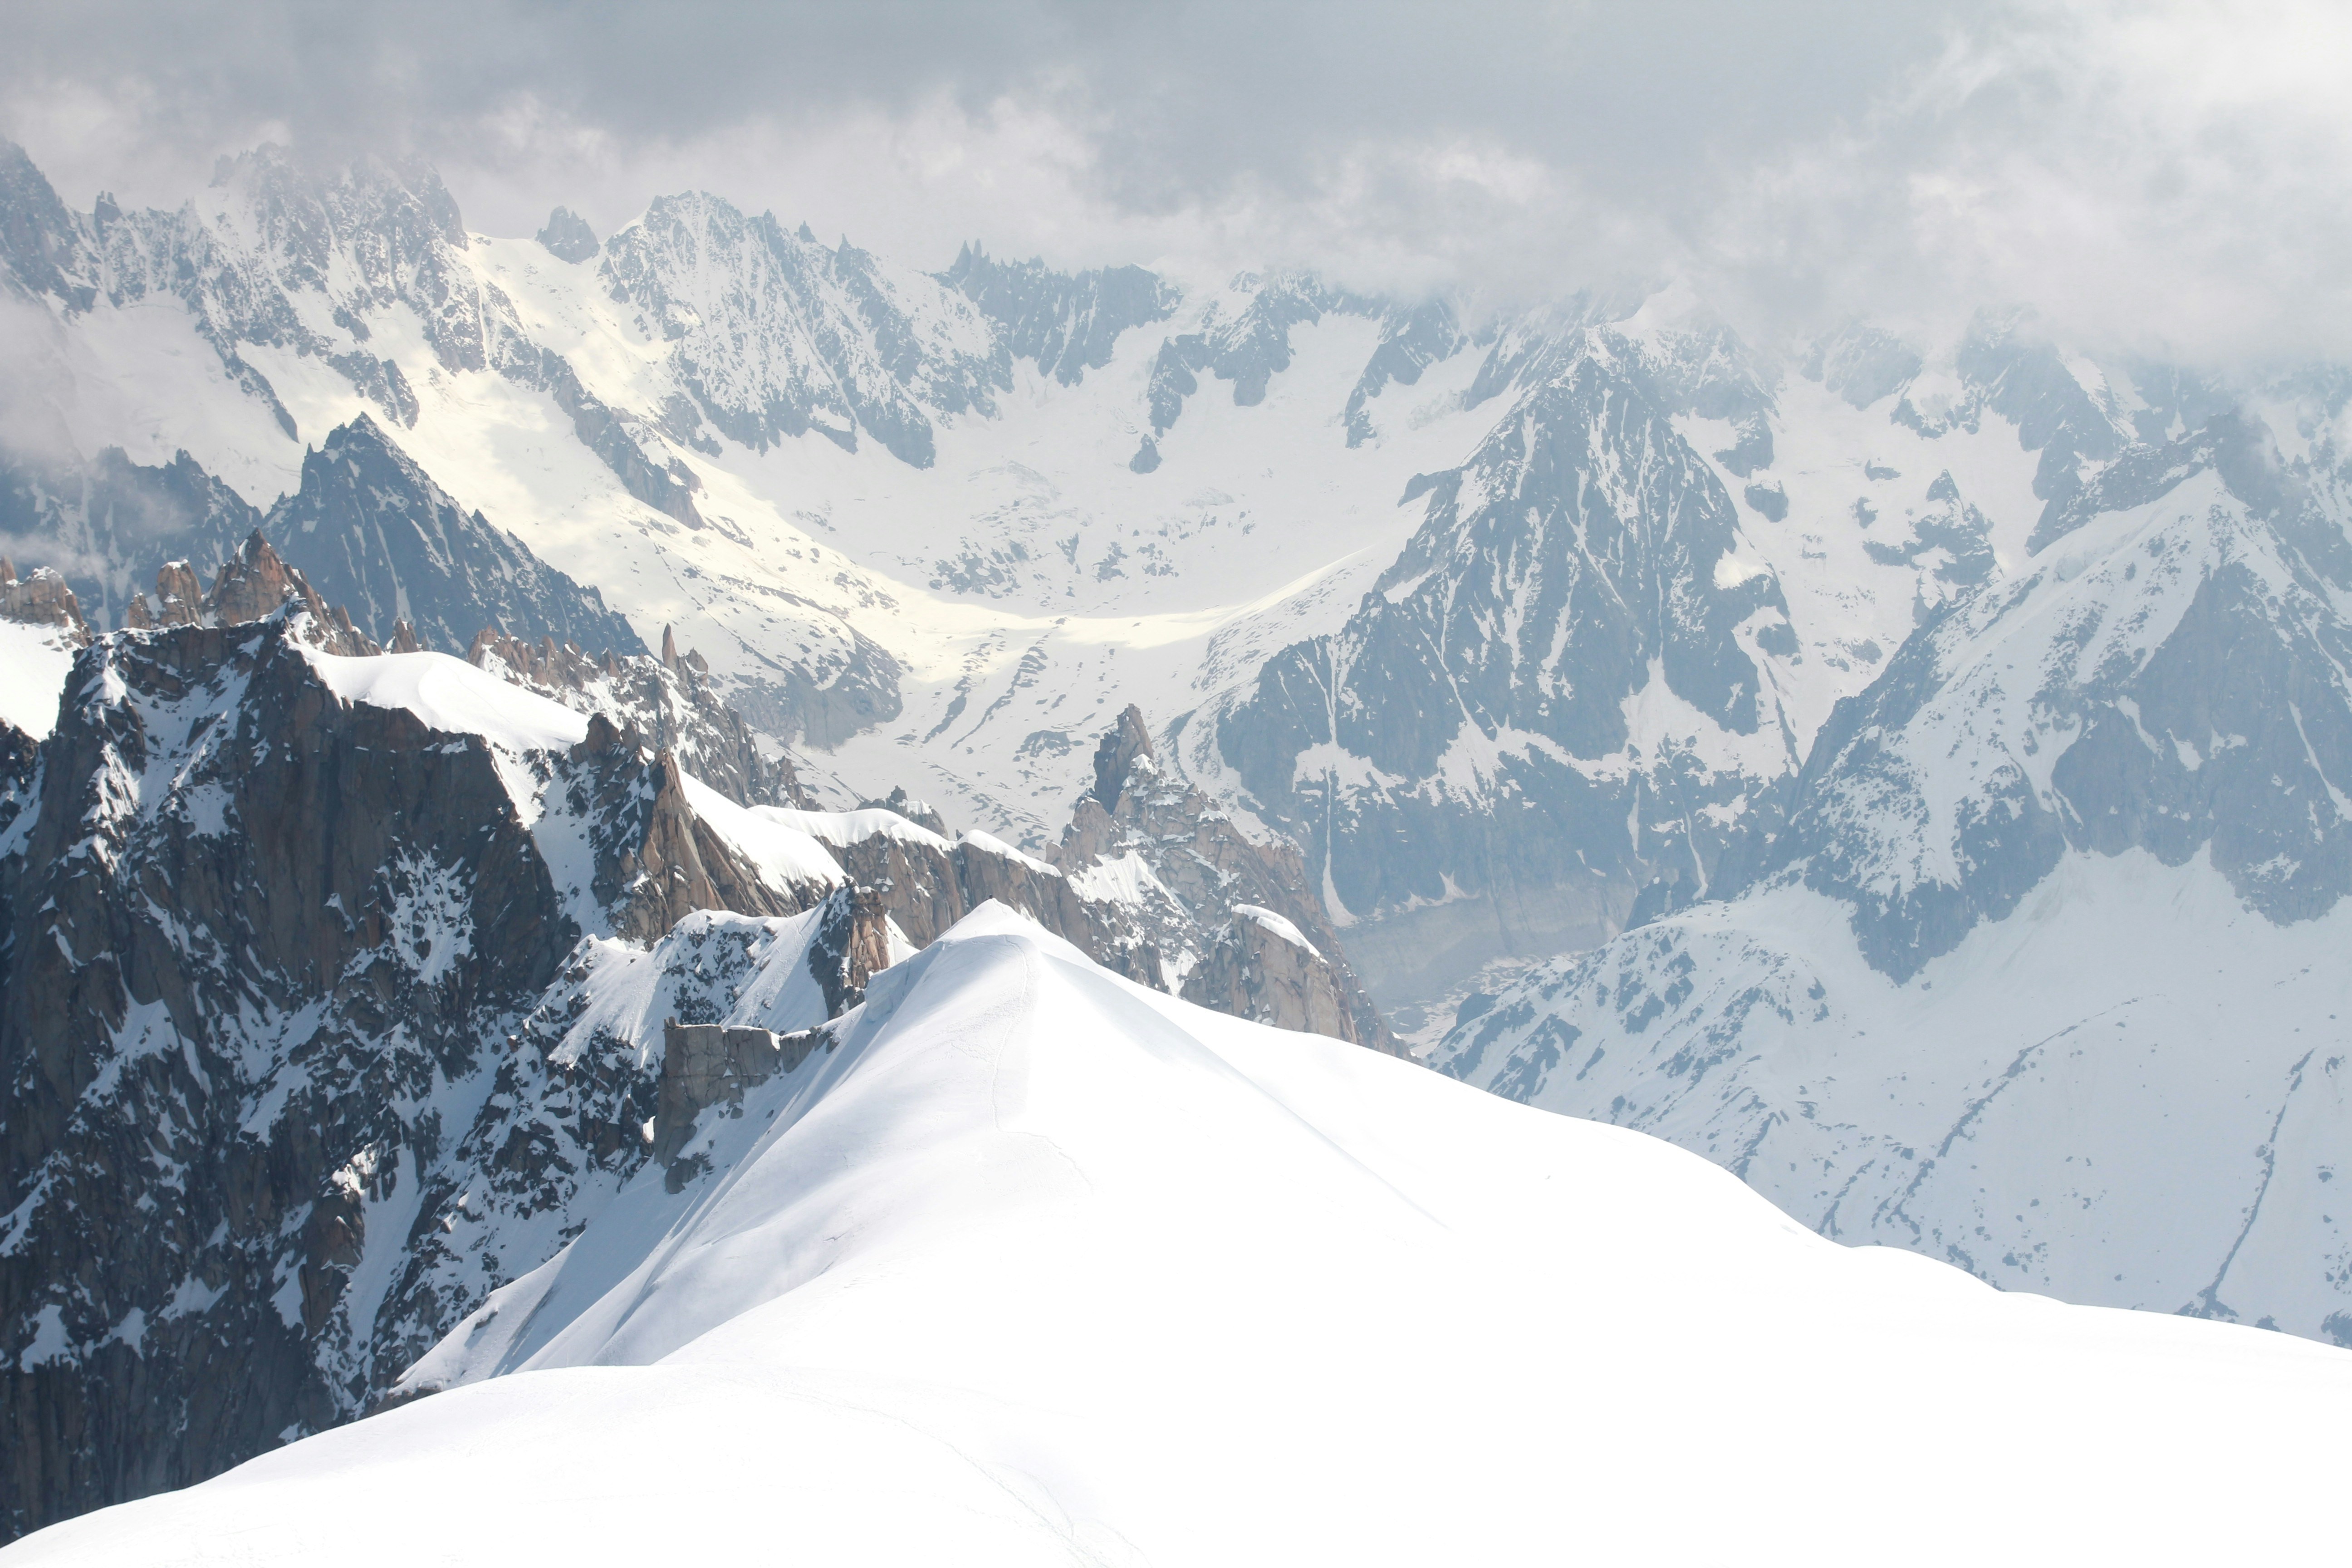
[{"x": 2170, "y": 178}]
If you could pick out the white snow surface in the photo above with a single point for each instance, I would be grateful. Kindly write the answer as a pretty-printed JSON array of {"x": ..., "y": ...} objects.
[
  {"x": 844, "y": 828},
  {"x": 787, "y": 857},
  {"x": 2133, "y": 1092},
  {"x": 1039, "y": 1266},
  {"x": 35, "y": 661},
  {"x": 451, "y": 695}
]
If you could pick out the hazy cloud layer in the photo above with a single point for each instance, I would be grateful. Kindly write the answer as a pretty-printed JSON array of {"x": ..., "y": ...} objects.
[{"x": 2167, "y": 177}]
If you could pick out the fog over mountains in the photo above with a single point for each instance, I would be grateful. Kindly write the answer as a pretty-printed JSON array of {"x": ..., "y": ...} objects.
[{"x": 495, "y": 719}]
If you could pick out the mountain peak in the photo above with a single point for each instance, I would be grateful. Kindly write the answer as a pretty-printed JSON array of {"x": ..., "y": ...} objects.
[
  {"x": 568, "y": 237},
  {"x": 1128, "y": 742}
]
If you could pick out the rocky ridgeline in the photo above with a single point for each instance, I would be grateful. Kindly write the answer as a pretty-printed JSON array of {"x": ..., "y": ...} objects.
[
  {"x": 320, "y": 1021},
  {"x": 667, "y": 703},
  {"x": 260, "y": 938},
  {"x": 254, "y": 584}
]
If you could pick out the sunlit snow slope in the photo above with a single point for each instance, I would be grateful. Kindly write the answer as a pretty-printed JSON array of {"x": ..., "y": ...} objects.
[{"x": 1036, "y": 1266}]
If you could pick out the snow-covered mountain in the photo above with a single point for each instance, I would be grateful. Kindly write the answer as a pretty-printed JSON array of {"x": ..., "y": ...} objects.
[
  {"x": 1876, "y": 722},
  {"x": 1022, "y": 1262},
  {"x": 946, "y": 527},
  {"x": 342, "y": 987},
  {"x": 2041, "y": 976}
]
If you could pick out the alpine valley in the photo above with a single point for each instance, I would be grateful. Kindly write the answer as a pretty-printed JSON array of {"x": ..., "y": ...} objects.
[{"x": 612, "y": 807}]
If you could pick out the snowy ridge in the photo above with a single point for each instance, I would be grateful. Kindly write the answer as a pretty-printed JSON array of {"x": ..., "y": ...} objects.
[
  {"x": 451, "y": 695},
  {"x": 902, "y": 1304}
]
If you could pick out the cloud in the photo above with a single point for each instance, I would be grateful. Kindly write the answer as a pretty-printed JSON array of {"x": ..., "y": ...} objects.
[
  {"x": 2159, "y": 179},
  {"x": 2164, "y": 177}
]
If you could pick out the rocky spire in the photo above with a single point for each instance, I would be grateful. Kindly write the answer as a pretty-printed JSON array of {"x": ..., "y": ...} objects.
[
  {"x": 669, "y": 648},
  {"x": 254, "y": 583},
  {"x": 40, "y": 599},
  {"x": 1116, "y": 757}
]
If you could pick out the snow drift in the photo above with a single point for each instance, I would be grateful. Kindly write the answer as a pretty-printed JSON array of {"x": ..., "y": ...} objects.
[{"x": 1026, "y": 1263}]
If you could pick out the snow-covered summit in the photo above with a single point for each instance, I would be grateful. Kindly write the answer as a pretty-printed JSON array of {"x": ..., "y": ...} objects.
[{"x": 1023, "y": 1263}]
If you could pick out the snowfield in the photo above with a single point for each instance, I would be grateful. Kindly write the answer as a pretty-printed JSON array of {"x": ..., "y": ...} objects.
[
  {"x": 34, "y": 663},
  {"x": 1036, "y": 1266}
]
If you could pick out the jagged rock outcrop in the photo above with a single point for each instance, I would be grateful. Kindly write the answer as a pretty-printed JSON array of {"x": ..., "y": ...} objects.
[
  {"x": 1263, "y": 968},
  {"x": 568, "y": 237},
  {"x": 253, "y": 584},
  {"x": 666, "y": 860},
  {"x": 40, "y": 598},
  {"x": 250, "y": 925},
  {"x": 706, "y": 1065}
]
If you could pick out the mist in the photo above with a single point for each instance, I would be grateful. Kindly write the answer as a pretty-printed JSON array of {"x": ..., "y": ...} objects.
[{"x": 2161, "y": 179}]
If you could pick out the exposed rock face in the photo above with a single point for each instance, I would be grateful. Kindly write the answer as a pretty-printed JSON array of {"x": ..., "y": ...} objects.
[
  {"x": 250, "y": 925},
  {"x": 178, "y": 600},
  {"x": 665, "y": 704},
  {"x": 705, "y": 1065},
  {"x": 377, "y": 535},
  {"x": 666, "y": 861},
  {"x": 40, "y": 598},
  {"x": 1263, "y": 968},
  {"x": 262, "y": 943},
  {"x": 1172, "y": 868}
]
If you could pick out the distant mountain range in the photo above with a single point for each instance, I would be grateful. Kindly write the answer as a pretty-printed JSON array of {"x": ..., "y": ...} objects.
[{"x": 1913, "y": 775}]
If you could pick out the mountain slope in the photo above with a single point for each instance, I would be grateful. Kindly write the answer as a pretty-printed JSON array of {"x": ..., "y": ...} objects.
[
  {"x": 2036, "y": 979},
  {"x": 902, "y": 1309},
  {"x": 376, "y": 535}
]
